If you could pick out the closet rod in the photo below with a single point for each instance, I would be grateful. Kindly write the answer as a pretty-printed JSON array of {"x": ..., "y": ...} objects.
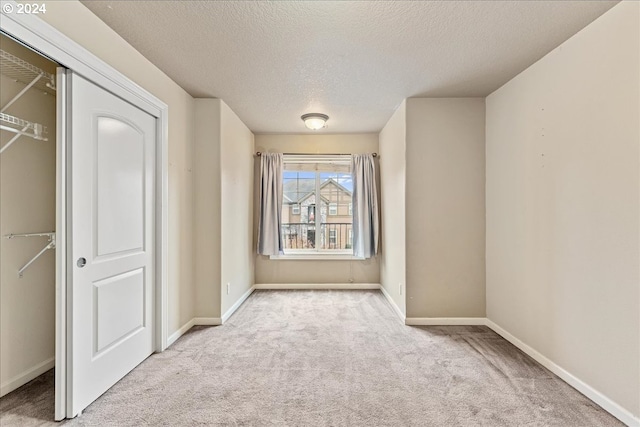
[
  {"x": 23, "y": 133},
  {"x": 37, "y": 128},
  {"x": 259, "y": 153},
  {"x": 48, "y": 234}
]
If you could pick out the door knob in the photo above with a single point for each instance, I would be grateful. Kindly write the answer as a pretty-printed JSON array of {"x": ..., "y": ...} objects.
[{"x": 81, "y": 262}]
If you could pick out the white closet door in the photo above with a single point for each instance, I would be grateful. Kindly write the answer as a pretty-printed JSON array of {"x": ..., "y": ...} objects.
[{"x": 112, "y": 240}]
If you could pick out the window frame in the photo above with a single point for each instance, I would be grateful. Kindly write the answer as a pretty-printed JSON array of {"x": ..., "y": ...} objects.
[{"x": 316, "y": 253}]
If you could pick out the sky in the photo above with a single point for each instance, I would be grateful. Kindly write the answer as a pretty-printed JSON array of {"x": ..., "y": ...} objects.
[{"x": 343, "y": 179}]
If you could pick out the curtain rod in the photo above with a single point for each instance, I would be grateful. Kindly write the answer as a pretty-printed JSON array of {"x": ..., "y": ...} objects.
[{"x": 315, "y": 154}]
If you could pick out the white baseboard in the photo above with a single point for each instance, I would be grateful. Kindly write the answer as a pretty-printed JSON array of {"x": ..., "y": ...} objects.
[
  {"x": 196, "y": 321},
  {"x": 321, "y": 286},
  {"x": 207, "y": 321},
  {"x": 603, "y": 401},
  {"x": 23, "y": 378},
  {"x": 395, "y": 307},
  {"x": 445, "y": 321},
  {"x": 607, "y": 404},
  {"x": 180, "y": 332},
  {"x": 237, "y": 305}
]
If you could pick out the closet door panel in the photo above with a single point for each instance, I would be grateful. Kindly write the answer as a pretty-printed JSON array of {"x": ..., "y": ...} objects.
[
  {"x": 120, "y": 185},
  {"x": 112, "y": 240}
]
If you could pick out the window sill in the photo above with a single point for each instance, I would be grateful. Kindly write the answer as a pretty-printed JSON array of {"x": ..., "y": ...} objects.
[{"x": 318, "y": 256}]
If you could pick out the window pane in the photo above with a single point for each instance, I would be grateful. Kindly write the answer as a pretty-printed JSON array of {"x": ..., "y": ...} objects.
[
  {"x": 298, "y": 209},
  {"x": 302, "y": 210},
  {"x": 335, "y": 197}
]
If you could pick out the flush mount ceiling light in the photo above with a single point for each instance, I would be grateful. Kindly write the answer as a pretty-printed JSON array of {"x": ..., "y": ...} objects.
[{"x": 314, "y": 121}]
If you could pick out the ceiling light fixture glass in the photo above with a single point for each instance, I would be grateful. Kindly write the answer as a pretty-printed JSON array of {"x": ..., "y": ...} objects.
[{"x": 314, "y": 121}]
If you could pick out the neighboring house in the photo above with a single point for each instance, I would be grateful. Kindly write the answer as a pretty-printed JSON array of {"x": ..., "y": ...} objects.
[{"x": 299, "y": 212}]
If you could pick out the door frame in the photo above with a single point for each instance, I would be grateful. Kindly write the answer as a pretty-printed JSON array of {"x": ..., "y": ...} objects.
[{"x": 41, "y": 36}]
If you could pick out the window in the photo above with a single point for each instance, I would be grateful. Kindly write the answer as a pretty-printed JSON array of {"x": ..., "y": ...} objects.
[
  {"x": 350, "y": 209},
  {"x": 318, "y": 189}
]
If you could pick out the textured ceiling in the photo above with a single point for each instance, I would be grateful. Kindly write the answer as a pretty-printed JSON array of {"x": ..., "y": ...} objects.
[{"x": 272, "y": 61}]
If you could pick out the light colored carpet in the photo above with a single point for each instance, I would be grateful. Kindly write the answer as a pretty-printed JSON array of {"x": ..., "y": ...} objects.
[{"x": 326, "y": 358}]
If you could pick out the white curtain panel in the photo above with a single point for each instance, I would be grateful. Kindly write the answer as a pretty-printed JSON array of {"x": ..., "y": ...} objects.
[
  {"x": 269, "y": 226},
  {"x": 365, "y": 206}
]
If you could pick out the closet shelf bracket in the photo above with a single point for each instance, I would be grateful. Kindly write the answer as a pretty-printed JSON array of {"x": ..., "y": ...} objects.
[
  {"x": 30, "y": 129},
  {"x": 51, "y": 237},
  {"x": 22, "y": 92}
]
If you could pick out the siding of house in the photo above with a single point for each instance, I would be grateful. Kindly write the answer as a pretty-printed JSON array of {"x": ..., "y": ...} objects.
[{"x": 341, "y": 219}]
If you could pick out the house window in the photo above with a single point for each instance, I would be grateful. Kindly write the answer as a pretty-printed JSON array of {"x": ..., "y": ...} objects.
[
  {"x": 350, "y": 208},
  {"x": 319, "y": 190}
]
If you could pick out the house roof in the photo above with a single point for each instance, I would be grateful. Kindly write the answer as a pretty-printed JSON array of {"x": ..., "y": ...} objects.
[{"x": 296, "y": 191}]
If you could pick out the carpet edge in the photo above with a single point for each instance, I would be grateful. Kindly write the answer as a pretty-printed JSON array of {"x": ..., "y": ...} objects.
[{"x": 597, "y": 397}]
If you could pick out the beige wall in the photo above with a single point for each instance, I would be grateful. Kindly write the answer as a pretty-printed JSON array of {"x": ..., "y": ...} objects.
[
  {"x": 299, "y": 271},
  {"x": 223, "y": 208},
  {"x": 445, "y": 207},
  {"x": 236, "y": 167},
  {"x": 27, "y": 205},
  {"x": 78, "y": 23},
  {"x": 563, "y": 206},
  {"x": 207, "y": 212},
  {"x": 392, "y": 191}
]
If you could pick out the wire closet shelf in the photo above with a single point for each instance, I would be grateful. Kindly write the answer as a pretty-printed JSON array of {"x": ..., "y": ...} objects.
[
  {"x": 25, "y": 72},
  {"x": 31, "y": 76}
]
